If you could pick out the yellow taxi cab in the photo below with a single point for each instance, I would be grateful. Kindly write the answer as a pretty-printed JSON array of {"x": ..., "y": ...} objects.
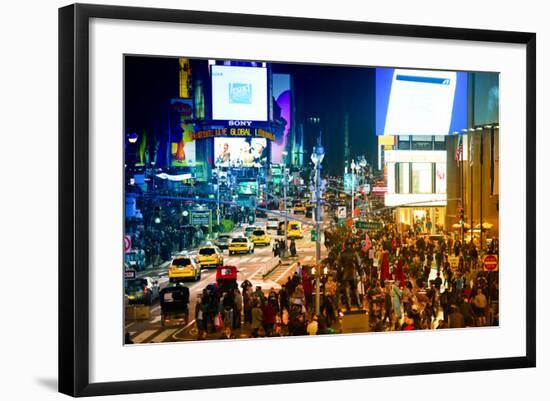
[
  {"x": 241, "y": 245},
  {"x": 299, "y": 208},
  {"x": 184, "y": 267},
  {"x": 260, "y": 237},
  {"x": 294, "y": 230},
  {"x": 210, "y": 256}
]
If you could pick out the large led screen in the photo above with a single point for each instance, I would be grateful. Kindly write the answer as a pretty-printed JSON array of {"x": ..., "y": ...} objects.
[
  {"x": 420, "y": 102},
  {"x": 239, "y": 93},
  {"x": 240, "y": 152},
  {"x": 283, "y": 98}
]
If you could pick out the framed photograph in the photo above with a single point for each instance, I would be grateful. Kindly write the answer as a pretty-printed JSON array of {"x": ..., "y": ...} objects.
[{"x": 252, "y": 199}]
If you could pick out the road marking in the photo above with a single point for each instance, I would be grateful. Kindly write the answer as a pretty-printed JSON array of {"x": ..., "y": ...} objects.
[
  {"x": 266, "y": 259},
  {"x": 156, "y": 319},
  {"x": 292, "y": 266},
  {"x": 244, "y": 260},
  {"x": 164, "y": 335},
  {"x": 129, "y": 324},
  {"x": 143, "y": 336},
  {"x": 254, "y": 260},
  {"x": 156, "y": 308},
  {"x": 183, "y": 328}
]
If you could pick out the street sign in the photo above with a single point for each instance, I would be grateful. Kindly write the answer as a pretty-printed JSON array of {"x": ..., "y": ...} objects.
[
  {"x": 200, "y": 217},
  {"x": 127, "y": 243},
  {"x": 130, "y": 273},
  {"x": 341, "y": 212},
  {"x": 313, "y": 235},
  {"x": 368, "y": 225},
  {"x": 490, "y": 263}
]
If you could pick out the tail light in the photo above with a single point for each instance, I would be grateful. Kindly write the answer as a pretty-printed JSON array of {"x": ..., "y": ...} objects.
[{"x": 145, "y": 290}]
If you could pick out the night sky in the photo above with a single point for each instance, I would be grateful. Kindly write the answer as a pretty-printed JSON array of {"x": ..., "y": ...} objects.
[{"x": 327, "y": 92}]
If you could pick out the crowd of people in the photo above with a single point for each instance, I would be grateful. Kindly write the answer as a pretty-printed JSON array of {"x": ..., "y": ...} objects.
[{"x": 402, "y": 281}]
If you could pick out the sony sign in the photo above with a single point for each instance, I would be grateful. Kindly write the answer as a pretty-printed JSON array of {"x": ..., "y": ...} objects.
[{"x": 239, "y": 123}]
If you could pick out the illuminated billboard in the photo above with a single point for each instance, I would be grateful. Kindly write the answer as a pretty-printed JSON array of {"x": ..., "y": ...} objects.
[
  {"x": 420, "y": 102},
  {"x": 239, "y": 93},
  {"x": 182, "y": 144},
  {"x": 240, "y": 152},
  {"x": 247, "y": 187},
  {"x": 282, "y": 95}
]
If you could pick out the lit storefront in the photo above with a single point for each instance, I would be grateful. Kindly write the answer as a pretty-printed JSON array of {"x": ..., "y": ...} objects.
[{"x": 417, "y": 188}]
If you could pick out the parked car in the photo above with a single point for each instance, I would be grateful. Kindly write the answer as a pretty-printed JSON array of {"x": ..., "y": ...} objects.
[
  {"x": 241, "y": 245},
  {"x": 143, "y": 290},
  {"x": 223, "y": 241}
]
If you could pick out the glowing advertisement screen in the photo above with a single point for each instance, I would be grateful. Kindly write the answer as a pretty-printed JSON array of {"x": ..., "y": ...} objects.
[
  {"x": 239, "y": 93},
  {"x": 248, "y": 187},
  {"x": 240, "y": 152},
  {"x": 182, "y": 145},
  {"x": 420, "y": 102},
  {"x": 282, "y": 97}
]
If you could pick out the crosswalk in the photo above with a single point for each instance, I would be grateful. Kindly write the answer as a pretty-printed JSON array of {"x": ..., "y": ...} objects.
[
  {"x": 153, "y": 336},
  {"x": 239, "y": 260}
]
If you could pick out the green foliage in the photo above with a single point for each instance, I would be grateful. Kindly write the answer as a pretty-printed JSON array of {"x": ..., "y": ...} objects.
[{"x": 226, "y": 226}]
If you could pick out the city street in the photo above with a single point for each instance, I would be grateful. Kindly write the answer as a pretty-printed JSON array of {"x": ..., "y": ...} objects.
[
  {"x": 387, "y": 196},
  {"x": 250, "y": 267}
]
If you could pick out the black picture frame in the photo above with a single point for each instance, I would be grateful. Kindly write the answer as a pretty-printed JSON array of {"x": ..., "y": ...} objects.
[{"x": 74, "y": 198}]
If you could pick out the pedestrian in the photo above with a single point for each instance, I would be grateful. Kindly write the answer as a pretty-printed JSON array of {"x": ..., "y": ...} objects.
[
  {"x": 276, "y": 249},
  {"x": 293, "y": 248},
  {"x": 456, "y": 318},
  {"x": 480, "y": 305},
  {"x": 269, "y": 317},
  {"x": 313, "y": 326},
  {"x": 257, "y": 319},
  {"x": 238, "y": 301},
  {"x": 396, "y": 295},
  {"x": 388, "y": 303}
]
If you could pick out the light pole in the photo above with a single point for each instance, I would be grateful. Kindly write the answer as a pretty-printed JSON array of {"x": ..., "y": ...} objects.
[
  {"x": 353, "y": 166},
  {"x": 317, "y": 158},
  {"x": 285, "y": 183}
]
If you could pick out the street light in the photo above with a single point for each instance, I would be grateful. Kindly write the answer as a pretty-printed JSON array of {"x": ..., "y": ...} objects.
[
  {"x": 317, "y": 158},
  {"x": 353, "y": 167},
  {"x": 285, "y": 183},
  {"x": 132, "y": 137}
]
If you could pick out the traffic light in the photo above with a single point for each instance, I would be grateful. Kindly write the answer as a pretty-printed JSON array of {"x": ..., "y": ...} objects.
[{"x": 461, "y": 215}]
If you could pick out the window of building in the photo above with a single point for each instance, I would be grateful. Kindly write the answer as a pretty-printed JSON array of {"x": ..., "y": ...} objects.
[
  {"x": 439, "y": 142},
  {"x": 391, "y": 177},
  {"x": 404, "y": 142},
  {"x": 403, "y": 182},
  {"x": 422, "y": 178},
  {"x": 422, "y": 142}
]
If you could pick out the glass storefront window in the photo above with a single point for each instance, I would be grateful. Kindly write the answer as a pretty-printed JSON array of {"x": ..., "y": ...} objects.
[
  {"x": 422, "y": 178},
  {"x": 403, "y": 184}
]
